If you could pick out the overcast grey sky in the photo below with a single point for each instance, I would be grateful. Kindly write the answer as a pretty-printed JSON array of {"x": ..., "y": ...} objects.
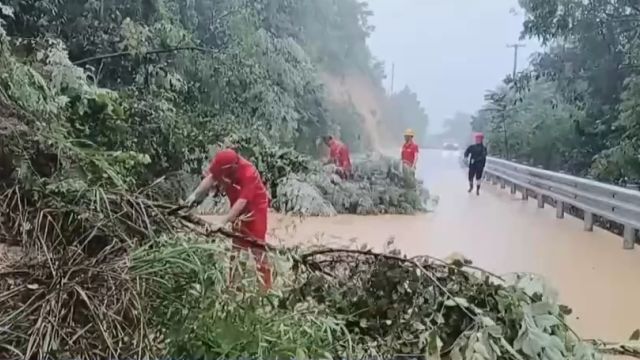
[{"x": 448, "y": 51}]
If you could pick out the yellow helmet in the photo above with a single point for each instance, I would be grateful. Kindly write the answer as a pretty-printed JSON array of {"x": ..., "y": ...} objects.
[{"x": 409, "y": 132}]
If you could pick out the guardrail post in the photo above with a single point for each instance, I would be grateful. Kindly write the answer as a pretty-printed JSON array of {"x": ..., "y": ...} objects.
[
  {"x": 629, "y": 237},
  {"x": 540, "y": 201},
  {"x": 559, "y": 209},
  {"x": 614, "y": 203},
  {"x": 588, "y": 221}
]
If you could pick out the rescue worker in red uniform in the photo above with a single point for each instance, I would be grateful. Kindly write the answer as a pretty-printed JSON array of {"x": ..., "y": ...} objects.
[
  {"x": 339, "y": 155},
  {"x": 409, "y": 154},
  {"x": 248, "y": 198}
]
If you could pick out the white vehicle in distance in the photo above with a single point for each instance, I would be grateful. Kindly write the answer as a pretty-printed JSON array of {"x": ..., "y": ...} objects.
[{"x": 450, "y": 146}]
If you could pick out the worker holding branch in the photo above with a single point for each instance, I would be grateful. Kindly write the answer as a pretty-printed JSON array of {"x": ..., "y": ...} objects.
[
  {"x": 339, "y": 155},
  {"x": 240, "y": 181}
]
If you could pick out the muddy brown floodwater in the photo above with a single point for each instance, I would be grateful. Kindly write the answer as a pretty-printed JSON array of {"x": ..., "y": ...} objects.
[{"x": 503, "y": 234}]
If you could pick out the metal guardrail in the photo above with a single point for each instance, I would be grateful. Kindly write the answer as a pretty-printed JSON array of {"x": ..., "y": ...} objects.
[{"x": 614, "y": 203}]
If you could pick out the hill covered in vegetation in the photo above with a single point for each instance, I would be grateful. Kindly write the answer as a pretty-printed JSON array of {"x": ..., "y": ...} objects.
[{"x": 218, "y": 67}]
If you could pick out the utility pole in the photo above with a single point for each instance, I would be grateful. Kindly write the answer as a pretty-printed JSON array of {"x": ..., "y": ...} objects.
[
  {"x": 504, "y": 110},
  {"x": 393, "y": 72},
  {"x": 515, "y": 57},
  {"x": 506, "y": 136}
]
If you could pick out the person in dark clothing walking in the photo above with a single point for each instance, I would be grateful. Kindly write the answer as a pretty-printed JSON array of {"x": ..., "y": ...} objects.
[{"x": 477, "y": 154}]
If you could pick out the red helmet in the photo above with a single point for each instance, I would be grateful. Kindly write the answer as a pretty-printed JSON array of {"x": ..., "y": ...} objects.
[
  {"x": 223, "y": 162},
  {"x": 478, "y": 136}
]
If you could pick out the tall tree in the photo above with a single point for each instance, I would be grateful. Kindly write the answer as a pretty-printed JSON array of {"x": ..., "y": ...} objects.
[
  {"x": 406, "y": 111},
  {"x": 581, "y": 89}
]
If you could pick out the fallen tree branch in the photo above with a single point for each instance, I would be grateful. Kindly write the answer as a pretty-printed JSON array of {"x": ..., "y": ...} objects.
[
  {"x": 398, "y": 258},
  {"x": 618, "y": 349},
  {"x": 413, "y": 262},
  {"x": 150, "y": 52}
]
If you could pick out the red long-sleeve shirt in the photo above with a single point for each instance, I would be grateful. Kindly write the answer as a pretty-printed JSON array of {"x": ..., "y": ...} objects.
[
  {"x": 247, "y": 184},
  {"x": 409, "y": 153},
  {"x": 339, "y": 155}
]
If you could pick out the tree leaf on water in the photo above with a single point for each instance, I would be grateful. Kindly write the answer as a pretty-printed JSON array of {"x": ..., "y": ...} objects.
[{"x": 565, "y": 310}]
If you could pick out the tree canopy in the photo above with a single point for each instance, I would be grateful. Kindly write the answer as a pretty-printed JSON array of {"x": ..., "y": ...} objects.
[{"x": 576, "y": 107}]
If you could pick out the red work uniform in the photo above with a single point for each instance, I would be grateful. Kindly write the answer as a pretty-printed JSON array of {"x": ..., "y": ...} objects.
[
  {"x": 245, "y": 183},
  {"x": 409, "y": 153},
  {"x": 339, "y": 155}
]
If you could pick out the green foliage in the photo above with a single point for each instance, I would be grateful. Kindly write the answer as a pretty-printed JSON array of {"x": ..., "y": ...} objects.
[
  {"x": 622, "y": 160},
  {"x": 379, "y": 186},
  {"x": 396, "y": 305},
  {"x": 538, "y": 129},
  {"x": 296, "y": 196},
  {"x": 186, "y": 75},
  {"x": 253, "y": 77},
  {"x": 234, "y": 61},
  {"x": 200, "y": 316},
  {"x": 589, "y": 67}
]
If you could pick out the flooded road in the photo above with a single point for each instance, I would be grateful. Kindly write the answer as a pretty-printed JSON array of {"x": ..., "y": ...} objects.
[{"x": 501, "y": 233}]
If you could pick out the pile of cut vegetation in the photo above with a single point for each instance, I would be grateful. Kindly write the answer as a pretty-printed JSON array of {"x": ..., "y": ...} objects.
[{"x": 379, "y": 186}]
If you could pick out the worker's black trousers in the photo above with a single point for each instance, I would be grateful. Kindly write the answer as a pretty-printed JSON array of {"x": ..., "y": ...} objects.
[{"x": 475, "y": 170}]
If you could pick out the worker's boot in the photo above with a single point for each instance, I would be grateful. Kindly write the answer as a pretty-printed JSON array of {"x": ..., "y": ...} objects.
[
  {"x": 478, "y": 190},
  {"x": 470, "y": 187}
]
